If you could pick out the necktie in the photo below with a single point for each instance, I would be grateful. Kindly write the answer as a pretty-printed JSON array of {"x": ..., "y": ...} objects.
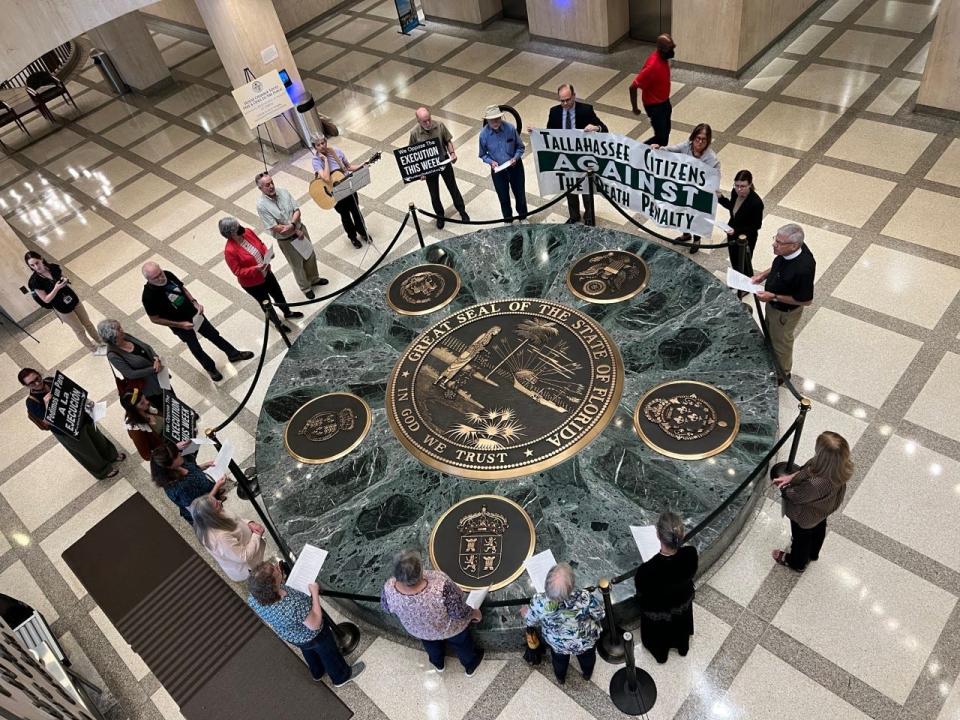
[{"x": 566, "y": 120}]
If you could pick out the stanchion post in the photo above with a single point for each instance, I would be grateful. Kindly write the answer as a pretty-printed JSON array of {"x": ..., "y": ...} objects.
[
  {"x": 591, "y": 189},
  {"x": 416, "y": 224},
  {"x": 270, "y": 315},
  {"x": 742, "y": 251},
  {"x": 785, "y": 468},
  {"x": 610, "y": 643},
  {"x": 632, "y": 690}
]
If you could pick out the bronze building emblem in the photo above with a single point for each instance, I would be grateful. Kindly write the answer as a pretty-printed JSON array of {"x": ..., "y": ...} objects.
[
  {"x": 423, "y": 289},
  {"x": 482, "y": 541},
  {"x": 327, "y": 427},
  {"x": 686, "y": 419},
  {"x": 608, "y": 276},
  {"x": 504, "y": 389}
]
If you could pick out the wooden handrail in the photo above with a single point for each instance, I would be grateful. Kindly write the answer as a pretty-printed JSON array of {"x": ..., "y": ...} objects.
[{"x": 52, "y": 62}]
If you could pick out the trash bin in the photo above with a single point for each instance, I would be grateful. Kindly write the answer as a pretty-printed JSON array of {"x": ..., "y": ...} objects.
[
  {"x": 306, "y": 119},
  {"x": 111, "y": 76}
]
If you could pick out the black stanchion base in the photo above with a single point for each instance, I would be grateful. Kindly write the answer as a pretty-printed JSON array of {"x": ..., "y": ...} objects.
[
  {"x": 637, "y": 701},
  {"x": 253, "y": 484},
  {"x": 348, "y": 637},
  {"x": 783, "y": 468},
  {"x": 610, "y": 648}
]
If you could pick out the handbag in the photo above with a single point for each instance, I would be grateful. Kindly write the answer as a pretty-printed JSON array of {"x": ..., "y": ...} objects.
[
  {"x": 535, "y": 647},
  {"x": 329, "y": 128}
]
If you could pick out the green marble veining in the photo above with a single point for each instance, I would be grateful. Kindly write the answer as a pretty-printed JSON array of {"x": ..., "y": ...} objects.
[{"x": 379, "y": 499}]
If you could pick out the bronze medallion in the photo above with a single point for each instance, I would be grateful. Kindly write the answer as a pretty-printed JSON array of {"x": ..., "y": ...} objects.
[
  {"x": 327, "y": 428},
  {"x": 504, "y": 389},
  {"x": 482, "y": 542},
  {"x": 686, "y": 419},
  {"x": 422, "y": 289},
  {"x": 608, "y": 276}
]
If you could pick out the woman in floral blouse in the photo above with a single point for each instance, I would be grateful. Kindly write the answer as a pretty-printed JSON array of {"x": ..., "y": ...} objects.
[{"x": 569, "y": 621}]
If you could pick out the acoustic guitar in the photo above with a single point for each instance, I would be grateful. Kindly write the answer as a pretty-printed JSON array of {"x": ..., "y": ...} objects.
[{"x": 322, "y": 190}]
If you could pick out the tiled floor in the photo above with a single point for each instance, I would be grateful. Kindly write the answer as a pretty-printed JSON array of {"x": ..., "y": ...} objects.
[{"x": 824, "y": 122}]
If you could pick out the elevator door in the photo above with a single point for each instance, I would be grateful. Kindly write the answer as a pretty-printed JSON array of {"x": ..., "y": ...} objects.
[
  {"x": 649, "y": 18},
  {"x": 515, "y": 9}
]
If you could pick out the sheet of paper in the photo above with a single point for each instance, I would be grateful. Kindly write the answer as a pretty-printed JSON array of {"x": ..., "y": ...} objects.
[
  {"x": 739, "y": 281},
  {"x": 197, "y": 321},
  {"x": 99, "y": 411},
  {"x": 201, "y": 441},
  {"x": 645, "y": 536},
  {"x": 163, "y": 377},
  {"x": 303, "y": 246},
  {"x": 307, "y": 567},
  {"x": 722, "y": 225},
  {"x": 268, "y": 258},
  {"x": 538, "y": 566},
  {"x": 222, "y": 463},
  {"x": 504, "y": 166},
  {"x": 476, "y": 597}
]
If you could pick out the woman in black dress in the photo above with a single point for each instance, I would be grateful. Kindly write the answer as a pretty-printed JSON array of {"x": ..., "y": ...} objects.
[
  {"x": 665, "y": 590},
  {"x": 746, "y": 217},
  {"x": 49, "y": 287}
]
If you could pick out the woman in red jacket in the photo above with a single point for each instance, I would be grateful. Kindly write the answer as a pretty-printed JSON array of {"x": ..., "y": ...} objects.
[{"x": 245, "y": 255}]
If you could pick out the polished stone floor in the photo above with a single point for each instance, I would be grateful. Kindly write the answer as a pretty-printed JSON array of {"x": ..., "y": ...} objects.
[{"x": 823, "y": 120}]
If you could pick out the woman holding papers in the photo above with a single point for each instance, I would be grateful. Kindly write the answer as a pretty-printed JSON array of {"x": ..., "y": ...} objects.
[
  {"x": 182, "y": 480},
  {"x": 249, "y": 259},
  {"x": 746, "y": 218},
  {"x": 665, "y": 591},
  {"x": 236, "y": 545},
  {"x": 137, "y": 362}
]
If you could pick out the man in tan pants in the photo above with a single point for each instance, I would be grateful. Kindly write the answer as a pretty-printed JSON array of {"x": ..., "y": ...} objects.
[{"x": 788, "y": 288}]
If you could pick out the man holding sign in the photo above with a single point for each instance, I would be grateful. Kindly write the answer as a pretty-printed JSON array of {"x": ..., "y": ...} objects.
[{"x": 429, "y": 129}]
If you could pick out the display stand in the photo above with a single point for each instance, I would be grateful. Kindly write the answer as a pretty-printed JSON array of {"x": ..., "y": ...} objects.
[
  {"x": 408, "y": 15},
  {"x": 352, "y": 183},
  {"x": 249, "y": 76}
]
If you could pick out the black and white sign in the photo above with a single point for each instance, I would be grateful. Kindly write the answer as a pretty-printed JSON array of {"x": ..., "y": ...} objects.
[
  {"x": 67, "y": 405},
  {"x": 179, "y": 419},
  {"x": 420, "y": 160}
]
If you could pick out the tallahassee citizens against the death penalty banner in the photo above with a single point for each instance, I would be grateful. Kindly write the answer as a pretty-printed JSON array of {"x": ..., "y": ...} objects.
[{"x": 675, "y": 191}]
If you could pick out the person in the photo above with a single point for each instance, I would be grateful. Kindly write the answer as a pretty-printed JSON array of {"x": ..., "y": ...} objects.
[
  {"x": 698, "y": 146},
  {"x": 427, "y": 129},
  {"x": 280, "y": 215},
  {"x": 810, "y": 495},
  {"x": 168, "y": 302},
  {"x": 143, "y": 421},
  {"x": 91, "y": 448},
  {"x": 181, "y": 479},
  {"x": 325, "y": 161},
  {"x": 654, "y": 80},
  {"x": 245, "y": 256},
  {"x": 135, "y": 360},
  {"x": 571, "y": 114},
  {"x": 569, "y": 620},
  {"x": 746, "y": 218},
  {"x": 665, "y": 590},
  {"x": 500, "y": 144},
  {"x": 49, "y": 287},
  {"x": 299, "y": 620},
  {"x": 236, "y": 545},
  {"x": 432, "y": 609},
  {"x": 787, "y": 289}
]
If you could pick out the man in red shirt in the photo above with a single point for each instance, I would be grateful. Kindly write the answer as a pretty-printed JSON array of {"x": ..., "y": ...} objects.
[{"x": 654, "y": 80}]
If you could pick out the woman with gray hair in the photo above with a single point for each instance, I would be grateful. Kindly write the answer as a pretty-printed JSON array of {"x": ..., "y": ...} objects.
[
  {"x": 665, "y": 591},
  {"x": 136, "y": 362},
  {"x": 569, "y": 620},
  {"x": 236, "y": 545},
  {"x": 432, "y": 609},
  {"x": 246, "y": 256}
]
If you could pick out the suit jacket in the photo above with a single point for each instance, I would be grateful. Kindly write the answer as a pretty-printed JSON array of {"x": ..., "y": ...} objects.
[
  {"x": 748, "y": 219},
  {"x": 583, "y": 115}
]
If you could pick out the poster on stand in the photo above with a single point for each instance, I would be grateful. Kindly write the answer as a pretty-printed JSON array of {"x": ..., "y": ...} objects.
[
  {"x": 407, "y": 12},
  {"x": 262, "y": 99}
]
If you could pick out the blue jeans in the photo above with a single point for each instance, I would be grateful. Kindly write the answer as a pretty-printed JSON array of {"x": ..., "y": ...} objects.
[
  {"x": 587, "y": 660},
  {"x": 504, "y": 182},
  {"x": 322, "y": 654},
  {"x": 462, "y": 645}
]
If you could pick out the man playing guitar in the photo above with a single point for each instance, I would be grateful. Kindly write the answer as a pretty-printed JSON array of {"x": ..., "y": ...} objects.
[{"x": 326, "y": 161}]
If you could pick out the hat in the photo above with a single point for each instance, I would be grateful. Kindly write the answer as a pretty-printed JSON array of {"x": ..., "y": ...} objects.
[{"x": 492, "y": 112}]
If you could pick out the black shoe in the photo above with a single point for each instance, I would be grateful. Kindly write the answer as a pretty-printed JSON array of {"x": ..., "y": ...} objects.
[
  {"x": 242, "y": 355},
  {"x": 309, "y": 295},
  {"x": 366, "y": 238},
  {"x": 293, "y": 316},
  {"x": 573, "y": 220},
  {"x": 441, "y": 222},
  {"x": 695, "y": 248},
  {"x": 471, "y": 672},
  {"x": 464, "y": 217},
  {"x": 356, "y": 243},
  {"x": 283, "y": 327},
  {"x": 215, "y": 375},
  {"x": 321, "y": 281}
]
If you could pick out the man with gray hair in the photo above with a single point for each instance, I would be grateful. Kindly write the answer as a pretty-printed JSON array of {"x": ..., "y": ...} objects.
[
  {"x": 569, "y": 620},
  {"x": 788, "y": 288},
  {"x": 429, "y": 129},
  {"x": 280, "y": 215}
]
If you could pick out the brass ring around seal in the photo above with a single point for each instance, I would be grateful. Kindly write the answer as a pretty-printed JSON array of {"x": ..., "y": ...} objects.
[
  {"x": 423, "y": 289},
  {"x": 327, "y": 428},
  {"x": 608, "y": 276}
]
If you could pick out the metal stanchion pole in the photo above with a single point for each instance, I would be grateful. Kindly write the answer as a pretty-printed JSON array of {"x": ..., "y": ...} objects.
[
  {"x": 610, "y": 643},
  {"x": 785, "y": 468},
  {"x": 742, "y": 247},
  {"x": 591, "y": 188},
  {"x": 416, "y": 224},
  {"x": 271, "y": 316},
  {"x": 632, "y": 690}
]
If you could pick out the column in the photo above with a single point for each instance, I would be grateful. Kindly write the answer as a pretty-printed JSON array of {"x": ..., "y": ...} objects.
[
  {"x": 941, "y": 75},
  {"x": 244, "y": 32},
  {"x": 593, "y": 23},
  {"x": 134, "y": 53},
  {"x": 475, "y": 13},
  {"x": 13, "y": 274}
]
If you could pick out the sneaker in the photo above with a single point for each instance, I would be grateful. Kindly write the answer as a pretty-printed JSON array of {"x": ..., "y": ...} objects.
[
  {"x": 358, "y": 667},
  {"x": 441, "y": 222},
  {"x": 99, "y": 350},
  {"x": 321, "y": 281},
  {"x": 243, "y": 355},
  {"x": 215, "y": 375},
  {"x": 471, "y": 673},
  {"x": 293, "y": 316},
  {"x": 439, "y": 669}
]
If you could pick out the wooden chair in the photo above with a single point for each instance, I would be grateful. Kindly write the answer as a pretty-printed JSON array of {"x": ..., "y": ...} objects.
[
  {"x": 44, "y": 88},
  {"x": 8, "y": 116}
]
